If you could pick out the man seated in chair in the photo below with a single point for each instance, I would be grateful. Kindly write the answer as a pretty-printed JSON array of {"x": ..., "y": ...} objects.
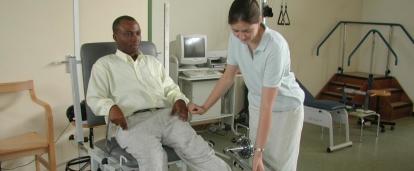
[{"x": 135, "y": 92}]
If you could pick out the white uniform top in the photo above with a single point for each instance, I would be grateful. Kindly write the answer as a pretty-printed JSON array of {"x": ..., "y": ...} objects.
[
  {"x": 268, "y": 67},
  {"x": 132, "y": 85}
]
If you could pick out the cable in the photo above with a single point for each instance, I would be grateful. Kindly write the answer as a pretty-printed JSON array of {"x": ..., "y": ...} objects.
[
  {"x": 60, "y": 135},
  {"x": 18, "y": 166}
]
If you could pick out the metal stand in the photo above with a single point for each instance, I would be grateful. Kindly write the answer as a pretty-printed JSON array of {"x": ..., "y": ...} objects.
[{"x": 71, "y": 67}]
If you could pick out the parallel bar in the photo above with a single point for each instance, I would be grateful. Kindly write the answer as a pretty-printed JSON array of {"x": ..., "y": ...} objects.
[
  {"x": 374, "y": 31},
  {"x": 327, "y": 36},
  {"x": 363, "y": 23}
]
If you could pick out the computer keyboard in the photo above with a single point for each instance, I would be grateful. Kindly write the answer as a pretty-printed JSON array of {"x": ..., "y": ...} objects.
[{"x": 201, "y": 73}]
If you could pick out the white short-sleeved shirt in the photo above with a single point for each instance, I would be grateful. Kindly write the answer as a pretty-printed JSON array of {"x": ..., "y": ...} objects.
[{"x": 268, "y": 67}]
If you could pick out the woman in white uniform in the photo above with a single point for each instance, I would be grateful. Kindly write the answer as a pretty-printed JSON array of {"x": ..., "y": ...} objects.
[{"x": 275, "y": 98}]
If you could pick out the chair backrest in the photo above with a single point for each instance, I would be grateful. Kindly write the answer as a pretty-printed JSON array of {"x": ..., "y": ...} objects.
[
  {"x": 90, "y": 53},
  {"x": 308, "y": 96},
  {"x": 14, "y": 87}
]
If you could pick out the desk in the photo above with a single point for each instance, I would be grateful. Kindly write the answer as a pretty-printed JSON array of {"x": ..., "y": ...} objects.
[{"x": 198, "y": 90}]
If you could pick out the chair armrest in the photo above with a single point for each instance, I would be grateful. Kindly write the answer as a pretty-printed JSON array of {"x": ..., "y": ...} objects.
[{"x": 48, "y": 115}]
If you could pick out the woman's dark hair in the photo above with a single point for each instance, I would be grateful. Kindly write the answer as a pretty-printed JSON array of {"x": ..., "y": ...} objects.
[{"x": 244, "y": 10}]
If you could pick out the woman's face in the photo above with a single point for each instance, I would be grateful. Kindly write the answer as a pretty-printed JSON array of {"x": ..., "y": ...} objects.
[{"x": 246, "y": 32}]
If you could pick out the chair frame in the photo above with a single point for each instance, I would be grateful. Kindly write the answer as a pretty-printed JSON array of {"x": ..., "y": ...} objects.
[
  {"x": 321, "y": 116},
  {"x": 325, "y": 118},
  {"x": 15, "y": 87}
]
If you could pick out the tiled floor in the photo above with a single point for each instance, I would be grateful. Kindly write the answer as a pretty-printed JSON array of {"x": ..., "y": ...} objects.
[{"x": 391, "y": 151}]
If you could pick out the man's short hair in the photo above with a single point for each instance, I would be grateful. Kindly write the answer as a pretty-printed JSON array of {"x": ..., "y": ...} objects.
[{"x": 118, "y": 20}]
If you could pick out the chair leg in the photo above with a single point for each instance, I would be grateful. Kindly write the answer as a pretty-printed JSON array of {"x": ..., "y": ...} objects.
[
  {"x": 362, "y": 128},
  {"x": 37, "y": 163},
  {"x": 378, "y": 123},
  {"x": 52, "y": 158}
]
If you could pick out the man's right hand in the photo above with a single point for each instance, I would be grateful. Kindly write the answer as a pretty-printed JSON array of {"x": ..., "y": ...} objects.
[{"x": 117, "y": 117}]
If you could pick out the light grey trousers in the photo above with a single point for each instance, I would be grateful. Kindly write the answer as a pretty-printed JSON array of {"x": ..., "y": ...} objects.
[{"x": 147, "y": 132}]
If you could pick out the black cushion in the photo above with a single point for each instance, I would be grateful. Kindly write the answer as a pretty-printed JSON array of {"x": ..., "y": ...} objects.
[
  {"x": 320, "y": 104},
  {"x": 325, "y": 104}
]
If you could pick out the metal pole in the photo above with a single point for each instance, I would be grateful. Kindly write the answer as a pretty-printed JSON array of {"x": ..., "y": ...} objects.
[
  {"x": 72, "y": 62},
  {"x": 371, "y": 60},
  {"x": 387, "y": 67},
  {"x": 76, "y": 31},
  {"x": 343, "y": 48},
  {"x": 167, "y": 37},
  {"x": 261, "y": 5}
]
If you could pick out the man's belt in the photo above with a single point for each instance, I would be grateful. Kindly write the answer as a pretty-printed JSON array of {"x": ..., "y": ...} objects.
[{"x": 147, "y": 110}]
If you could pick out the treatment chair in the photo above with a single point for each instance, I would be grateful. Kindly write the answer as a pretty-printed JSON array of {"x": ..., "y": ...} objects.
[
  {"x": 30, "y": 143},
  {"x": 107, "y": 154},
  {"x": 323, "y": 113}
]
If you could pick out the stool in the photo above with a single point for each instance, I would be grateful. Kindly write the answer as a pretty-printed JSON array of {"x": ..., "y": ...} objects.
[
  {"x": 362, "y": 114},
  {"x": 378, "y": 94}
]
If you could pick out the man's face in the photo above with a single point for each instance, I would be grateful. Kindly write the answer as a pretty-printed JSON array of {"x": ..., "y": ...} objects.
[
  {"x": 244, "y": 31},
  {"x": 128, "y": 37}
]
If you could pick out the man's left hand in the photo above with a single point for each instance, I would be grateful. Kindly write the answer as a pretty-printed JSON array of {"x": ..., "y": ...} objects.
[{"x": 180, "y": 108}]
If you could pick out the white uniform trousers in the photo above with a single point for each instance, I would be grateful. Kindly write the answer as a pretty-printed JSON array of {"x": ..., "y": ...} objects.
[
  {"x": 147, "y": 132},
  {"x": 282, "y": 148}
]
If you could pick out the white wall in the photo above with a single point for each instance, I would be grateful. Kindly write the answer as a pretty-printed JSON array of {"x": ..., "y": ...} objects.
[
  {"x": 36, "y": 33},
  {"x": 193, "y": 17},
  {"x": 396, "y": 11},
  {"x": 310, "y": 23}
]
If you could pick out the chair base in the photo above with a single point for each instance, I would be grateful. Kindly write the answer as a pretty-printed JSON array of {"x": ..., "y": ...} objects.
[
  {"x": 85, "y": 160},
  {"x": 391, "y": 124},
  {"x": 383, "y": 124},
  {"x": 100, "y": 161},
  {"x": 325, "y": 119}
]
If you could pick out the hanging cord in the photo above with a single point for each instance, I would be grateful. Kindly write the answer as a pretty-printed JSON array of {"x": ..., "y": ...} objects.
[
  {"x": 283, "y": 18},
  {"x": 30, "y": 162}
]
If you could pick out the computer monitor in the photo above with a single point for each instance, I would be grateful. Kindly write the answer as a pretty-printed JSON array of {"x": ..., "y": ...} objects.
[{"x": 190, "y": 49}]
